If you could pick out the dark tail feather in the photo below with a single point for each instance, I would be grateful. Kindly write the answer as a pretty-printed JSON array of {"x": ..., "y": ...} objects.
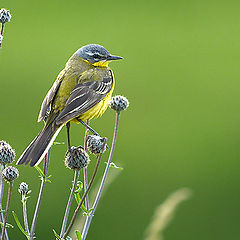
[{"x": 38, "y": 148}]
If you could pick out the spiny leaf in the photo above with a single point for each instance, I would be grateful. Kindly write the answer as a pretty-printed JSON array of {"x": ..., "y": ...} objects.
[
  {"x": 79, "y": 187},
  {"x": 78, "y": 199},
  {"x": 19, "y": 225},
  {"x": 88, "y": 212},
  {"x": 79, "y": 237},
  {"x": 40, "y": 171},
  {"x": 7, "y": 225},
  {"x": 113, "y": 165},
  {"x": 57, "y": 236}
]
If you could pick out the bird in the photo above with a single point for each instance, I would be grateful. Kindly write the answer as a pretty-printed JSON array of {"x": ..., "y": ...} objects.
[{"x": 81, "y": 92}]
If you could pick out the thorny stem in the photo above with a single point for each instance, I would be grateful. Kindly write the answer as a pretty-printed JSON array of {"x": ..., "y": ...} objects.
[
  {"x": 45, "y": 169},
  {"x": 2, "y": 184},
  {"x": 24, "y": 202},
  {"x": 1, "y": 197},
  {"x": 85, "y": 193},
  {"x": 64, "y": 224},
  {"x": 7, "y": 209},
  {"x": 85, "y": 179},
  {"x": 89, "y": 218}
]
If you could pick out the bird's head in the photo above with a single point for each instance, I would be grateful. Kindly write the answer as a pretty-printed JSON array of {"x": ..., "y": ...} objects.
[{"x": 96, "y": 55}]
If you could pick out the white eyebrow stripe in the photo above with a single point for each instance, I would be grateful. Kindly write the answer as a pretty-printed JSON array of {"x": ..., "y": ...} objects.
[{"x": 92, "y": 53}]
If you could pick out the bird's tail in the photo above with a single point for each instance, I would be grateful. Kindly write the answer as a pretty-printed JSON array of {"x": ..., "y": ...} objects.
[{"x": 38, "y": 148}]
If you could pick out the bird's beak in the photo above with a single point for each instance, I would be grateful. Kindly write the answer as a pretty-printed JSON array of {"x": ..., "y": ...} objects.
[{"x": 111, "y": 57}]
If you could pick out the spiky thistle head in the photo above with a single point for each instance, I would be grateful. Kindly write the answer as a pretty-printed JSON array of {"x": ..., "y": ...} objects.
[
  {"x": 23, "y": 188},
  {"x": 77, "y": 158},
  {"x": 10, "y": 174},
  {"x": 7, "y": 154},
  {"x": 5, "y": 16},
  {"x": 96, "y": 144},
  {"x": 119, "y": 103}
]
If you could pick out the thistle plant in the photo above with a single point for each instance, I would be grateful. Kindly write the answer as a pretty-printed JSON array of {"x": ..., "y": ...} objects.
[
  {"x": 7, "y": 156},
  {"x": 95, "y": 144},
  {"x": 44, "y": 180},
  {"x": 5, "y": 17},
  {"x": 76, "y": 160},
  {"x": 9, "y": 174},
  {"x": 117, "y": 103},
  {"x": 24, "y": 191},
  {"x": 85, "y": 193}
]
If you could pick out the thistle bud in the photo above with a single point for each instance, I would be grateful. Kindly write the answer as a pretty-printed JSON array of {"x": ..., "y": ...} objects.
[
  {"x": 5, "y": 16},
  {"x": 119, "y": 103},
  {"x": 2, "y": 143},
  {"x": 7, "y": 154},
  {"x": 10, "y": 174},
  {"x": 96, "y": 144},
  {"x": 77, "y": 158},
  {"x": 23, "y": 188}
]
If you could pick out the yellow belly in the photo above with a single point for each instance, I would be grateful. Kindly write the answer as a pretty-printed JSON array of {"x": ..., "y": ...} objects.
[{"x": 97, "y": 110}]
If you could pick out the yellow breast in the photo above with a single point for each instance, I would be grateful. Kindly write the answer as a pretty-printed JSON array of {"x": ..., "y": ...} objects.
[{"x": 98, "y": 109}]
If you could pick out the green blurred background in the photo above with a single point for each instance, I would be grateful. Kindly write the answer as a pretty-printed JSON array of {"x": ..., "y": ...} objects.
[{"x": 181, "y": 75}]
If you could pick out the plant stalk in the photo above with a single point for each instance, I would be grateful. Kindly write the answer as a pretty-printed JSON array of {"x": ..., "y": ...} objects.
[
  {"x": 1, "y": 197},
  {"x": 85, "y": 179},
  {"x": 7, "y": 209},
  {"x": 64, "y": 224},
  {"x": 89, "y": 218},
  {"x": 1, "y": 34},
  {"x": 45, "y": 169},
  {"x": 24, "y": 202},
  {"x": 85, "y": 193}
]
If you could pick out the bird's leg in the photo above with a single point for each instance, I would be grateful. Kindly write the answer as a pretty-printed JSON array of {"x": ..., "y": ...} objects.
[
  {"x": 68, "y": 139},
  {"x": 68, "y": 136},
  {"x": 88, "y": 127}
]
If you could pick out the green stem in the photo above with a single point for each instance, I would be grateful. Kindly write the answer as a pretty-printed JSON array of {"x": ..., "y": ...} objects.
[
  {"x": 64, "y": 224},
  {"x": 89, "y": 218},
  {"x": 35, "y": 216},
  {"x": 7, "y": 209},
  {"x": 1, "y": 34},
  {"x": 24, "y": 202},
  {"x": 85, "y": 193},
  {"x": 1, "y": 197}
]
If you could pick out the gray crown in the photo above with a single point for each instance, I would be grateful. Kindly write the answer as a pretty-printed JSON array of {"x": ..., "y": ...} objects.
[{"x": 95, "y": 53}]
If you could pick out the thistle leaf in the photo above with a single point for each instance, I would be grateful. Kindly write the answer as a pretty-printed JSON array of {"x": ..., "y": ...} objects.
[
  {"x": 79, "y": 237},
  {"x": 57, "y": 236},
  {"x": 19, "y": 225},
  {"x": 40, "y": 171}
]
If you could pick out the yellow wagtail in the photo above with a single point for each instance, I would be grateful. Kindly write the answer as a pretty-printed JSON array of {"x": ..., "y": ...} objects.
[{"x": 82, "y": 91}]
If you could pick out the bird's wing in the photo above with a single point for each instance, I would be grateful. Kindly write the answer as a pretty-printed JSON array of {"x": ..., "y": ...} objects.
[
  {"x": 50, "y": 96},
  {"x": 90, "y": 90}
]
